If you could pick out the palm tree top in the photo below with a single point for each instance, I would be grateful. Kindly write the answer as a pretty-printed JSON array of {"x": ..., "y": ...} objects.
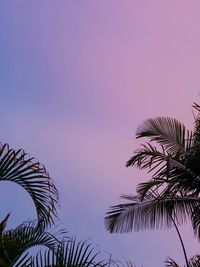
[{"x": 172, "y": 195}]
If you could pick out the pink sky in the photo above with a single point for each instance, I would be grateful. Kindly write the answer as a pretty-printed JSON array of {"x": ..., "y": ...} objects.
[{"x": 77, "y": 78}]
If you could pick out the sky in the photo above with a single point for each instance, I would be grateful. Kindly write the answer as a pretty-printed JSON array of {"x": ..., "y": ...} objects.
[{"x": 76, "y": 80}]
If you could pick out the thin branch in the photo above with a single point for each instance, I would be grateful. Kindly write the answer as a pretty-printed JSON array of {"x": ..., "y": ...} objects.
[{"x": 181, "y": 241}]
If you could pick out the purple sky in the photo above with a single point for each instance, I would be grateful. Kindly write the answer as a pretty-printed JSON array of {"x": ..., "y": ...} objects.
[{"x": 76, "y": 79}]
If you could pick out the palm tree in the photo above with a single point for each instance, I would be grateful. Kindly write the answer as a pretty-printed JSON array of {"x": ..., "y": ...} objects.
[
  {"x": 172, "y": 195},
  {"x": 17, "y": 167},
  {"x": 15, "y": 244}
]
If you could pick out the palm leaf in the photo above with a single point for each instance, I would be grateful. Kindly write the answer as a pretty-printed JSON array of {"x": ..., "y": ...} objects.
[
  {"x": 150, "y": 213},
  {"x": 166, "y": 131},
  {"x": 70, "y": 254},
  {"x": 25, "y": 261},
  {"x": 196, "y": 107},
  {"x": 162, "y": 163},
  {"x": 17, "y": 241},
  {"x": 151, "y": 186},
  {"x": 195, "y": 261},
  {"x": 168, "y": 170},
  {"x": 146, "y": 157},
  {"x": 3, "y": 224},
  {"x": 196, "y": 221},
  {"x": 171, "y": 263},
  {"x": 17, "y": 167}
]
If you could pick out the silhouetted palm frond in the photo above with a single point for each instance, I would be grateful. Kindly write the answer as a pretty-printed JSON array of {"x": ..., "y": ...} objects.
[
  {"x": 70, "y": 254},
  {"x": 171, "y": 263},
  {"x": 17, "y": 167},
  {"x": 150, "y": 213},
  {"x": 193, "y": 262},
  {"x": 14, "y": 243},
  {"x": 167, "y": 132}
]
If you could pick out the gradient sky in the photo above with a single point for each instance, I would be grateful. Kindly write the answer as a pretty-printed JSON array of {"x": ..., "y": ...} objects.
[{"x": 76, "y": 79}]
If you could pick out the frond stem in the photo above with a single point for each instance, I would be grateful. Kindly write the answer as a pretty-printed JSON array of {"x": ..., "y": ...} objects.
[{"x": 182, "y": 244}]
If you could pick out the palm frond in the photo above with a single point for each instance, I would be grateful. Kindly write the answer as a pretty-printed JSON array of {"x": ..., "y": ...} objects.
[
  {"x": 150, "y": 213},
  {"x": 194, "y": 261},
  {"x": 189, "y": 141},
  {"x": 151, "y": 186},
  {"x": 70, "y": 254},
  {"x": 25, "y": 261},
  {"x": 171, "y": 263},
  {"x": 17, "y": 241},
  {"x": 166, "y": 131},
  {"x": 146, "y": 157},
  {"x": 3, "y": 224},
  {"x": 195, "y": 219},
  {"x": 17, "y": 167},
  {"x": 163, "y": 164},
  {"x": 196, "y": 107},
  {"x": 178, "y": 183}
]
